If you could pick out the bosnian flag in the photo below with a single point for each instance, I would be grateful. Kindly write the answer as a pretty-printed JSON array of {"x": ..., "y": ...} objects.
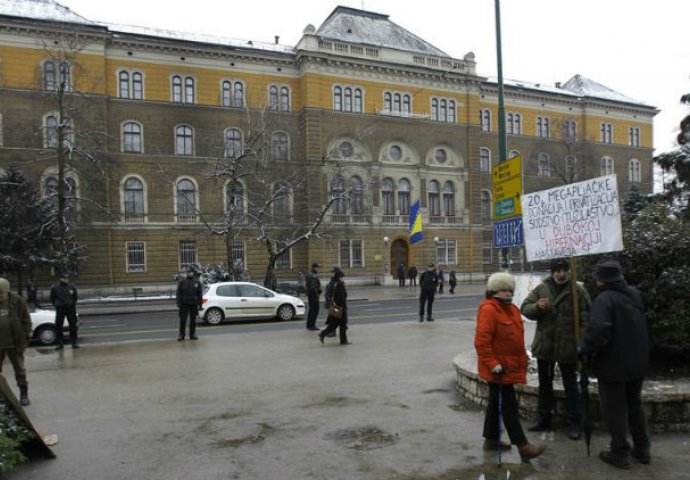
[{"x": 416, "y": 233}]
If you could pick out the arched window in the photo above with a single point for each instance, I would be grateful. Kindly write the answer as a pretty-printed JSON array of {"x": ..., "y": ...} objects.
[
  {"x": 124, "y": 84},
  {"x": 233, "y": 143},
  {"x": 338, "y": 192},
  {"x": 513, "y": 153},
  {"x": 397, "y": 103},
  {"x": 49, "y": 75},
  {"x": 486, "y": 205},
  {"x": 387, "y": 197},
  {"x": 606, "y": 166},
  {"x": 186, "y": 201},
  {"x": 434, "y": 108},
  {"x": 406, "y": 104},
  {"x": 485, "y": 119},
  {"x": 131, "y": 137},
  {"x": 234, "y": 195},
  {"x": 434, "y": 199},
  {"x": 404, "y": 196},
  {"x": 337, "y": 98},
  {"x": 356, "y": 196},
  {"x": 65, "y": 74},
  {"x": 184, "y": 140},
  {"x": 485, "y": 160},
  {"x": 133, "y": 200},
  {"x": 273, "y": 97},
  {"x": 281, "y": 202},
  {"x": 177, "y": 89},
  {"x": 387, "y": 102},
  {"x": 238, "y": 95},
  {"x": 544, "y": 165},
  {"x": 226, "y": 93},
  {"x": 449, "y": 199},
  {"x": 137, "y": 86},
  {"x": 189, "y": 90},
  {"x": 51, "y": 132},
  {"x": 347, "y": 99},
  {"x": 443, "y": 113},
  {"x": 279, "y": 144},
  {"x": 634, "y": 172},
  {"x": 451, "y": 111},
  {"x": 284, "y": 99},
  {"x": 358, "y": 100}
]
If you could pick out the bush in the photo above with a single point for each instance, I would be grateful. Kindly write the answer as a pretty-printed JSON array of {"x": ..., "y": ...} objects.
[{"x": 13, "y": 433}]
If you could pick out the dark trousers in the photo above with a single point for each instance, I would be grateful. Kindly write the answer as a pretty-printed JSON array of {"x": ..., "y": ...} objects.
[
  {"x": 426, "y": 297},
  {"x": 313, "y": 312},
  {"x": 192, "y": 311},
  {"x": 621, "y": 407},
  {"x": 332, "y": 324},
  {"x": 510, "y": 414},
  {"x": 572, "y": 391},
  {"x": 71, "y": 314},
  {"x": 401, "y": 281},
  {"x": 413, "y": 281},
  {"x": 17, "y": 361},
  {"x": 452, "y": 287}
]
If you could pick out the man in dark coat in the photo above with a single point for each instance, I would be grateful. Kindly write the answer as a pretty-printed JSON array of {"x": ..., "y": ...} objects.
[
  {"x": 618, "y": 343},
  {"x": 189, "y": 297},
  {"x": 412, "y": 275},
  {"x": 428, "y": 282},
  {"x": 63, "y": 296},
  {"x": 15, "y": 332},
  {"x": 401, "y": 275},
  {"x": 551, "y": 305},
  {"x": 313, "y": 288}
]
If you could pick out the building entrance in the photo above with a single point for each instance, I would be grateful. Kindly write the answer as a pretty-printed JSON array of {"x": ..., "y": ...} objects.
[{"x": 400, "y": 251}]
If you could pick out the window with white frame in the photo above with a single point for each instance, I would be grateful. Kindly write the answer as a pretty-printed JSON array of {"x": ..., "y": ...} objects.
[
  {"x": 446, "y": 252},
  {"x": 543, "y": 127},
  {"x": 485, "y": 206},
  {"x": 50, "y": 129},
  {"x": 347, "y": 99},
  {"x": 485, "y": 119},
  {"x": 443, "y": 110},
  {"x": 279, "y": 98},
  {"x": 396, "y": 103},
  {"x": 449, "y": 199},
  {"x": 136, "y": 257},
  {"x": 387, "y": 201},
  {"x": 184, "y": 140},
  {"x": 487, "y": 253},
  {"x": 238, "y": 253},
  {"x": 606, "y": 166},
  {"x": 279, "y": 146},
  {"x": 543, "y": 165},
  {"x": 634, "y": 172},
  {"x": 133, "y": 200},
  {"x": 185, "y": 201},
  {"x": 130, "y": 84},
  {"x": 233, "y": 143},
  {"x": 606, "y": 133},
  {"x": 284, "y": 262},
  {"x": 356, "y": 196},
  {"x": 404, "y": 196},
  {"x": 570, "y": 130},
  {"x": 234, "y": 198},
  {"x": 187, "y": 254},
  {"x": 183, "y": 89},
  {"x": 484, "y": 160},
  {"x": 131, "y": 137},
  {"x": 281, "y": 203},
  {"x": 513, "y": 153},
  {"x": 338, "y": 193},
  {"x": 634, "y": 136},
  {"x": 351, "y": 254},
  {"x": 232, "y": 93},
  {"x": 434, "y": 195},
  {"x": 514, "y": 123},
  {"x": 57, "y": 75}
]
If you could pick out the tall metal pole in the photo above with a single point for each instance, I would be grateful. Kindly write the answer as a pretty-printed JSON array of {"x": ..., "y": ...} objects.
[{"x": 502, "y": 143}]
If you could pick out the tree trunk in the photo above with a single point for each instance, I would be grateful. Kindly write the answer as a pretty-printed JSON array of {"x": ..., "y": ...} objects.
[{"x": 270, "y": 280}]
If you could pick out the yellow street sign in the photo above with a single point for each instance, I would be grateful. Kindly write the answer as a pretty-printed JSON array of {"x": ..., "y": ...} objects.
[{"x": 507, "y": 178}]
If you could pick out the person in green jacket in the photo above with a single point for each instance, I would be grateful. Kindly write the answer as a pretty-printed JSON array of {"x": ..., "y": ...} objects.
[{"x": 551, "y": 305}]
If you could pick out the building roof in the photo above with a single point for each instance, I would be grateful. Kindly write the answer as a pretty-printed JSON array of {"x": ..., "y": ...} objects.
[
  {"x": 359, "y": 26},
  {"x": 586, "y": 87},
  {"x": 41, "y": 10}
]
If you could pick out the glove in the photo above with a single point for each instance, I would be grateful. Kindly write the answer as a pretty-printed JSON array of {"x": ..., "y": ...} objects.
[{"x": 497, "y": 370}]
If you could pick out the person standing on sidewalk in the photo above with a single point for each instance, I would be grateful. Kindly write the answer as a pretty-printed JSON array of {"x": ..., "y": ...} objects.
[
  {"x": 502, "y": 362},
  {"x": 401, "y": 275},
  {"x": 63, "y": 296},
  {"x": 617, "y": 341},
  {"x": 313, "y": 288},
  {"x": 412, "y": 275},
  {"x": 441, "y": 280},
  {"x": 550, "y": 304},
  {"x": 339, "y": 298},
  {"x": 452, "y": 281},
  {"x": 428, "y": 282},
  {"x": 189, "y": 297},
  {"x": 15, "y": 332}
]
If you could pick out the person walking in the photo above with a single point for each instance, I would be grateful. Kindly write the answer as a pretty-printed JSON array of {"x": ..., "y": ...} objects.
[
  {"x": 412, "y": 275},
  {"x": 189, "y": 297},
  {"x": 617, "y": 341},
  {"x": 313, "y": 288},
  {"x": 339, "y": 298},
  {"x": 550, "y": 304},
  {"x": 15, "y": 333},
  {"x": 502, "y": 362},
  {"x": 452, "y": 281},
  {"x": 32, "y": 293},
  {"x": 64, "y": 297},
  {"x": 401, "y": 275},
  {"x": 428, "y": 282},
  {"x": 441, "y": 280}
]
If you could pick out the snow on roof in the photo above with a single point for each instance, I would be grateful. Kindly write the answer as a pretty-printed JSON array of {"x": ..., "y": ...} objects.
[
  {"x": 41, "y": 10},
  {"x": 359, "y": 26}
]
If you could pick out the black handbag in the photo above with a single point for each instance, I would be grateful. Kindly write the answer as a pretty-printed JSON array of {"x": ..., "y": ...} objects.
[{"x": 335, "y": 311}]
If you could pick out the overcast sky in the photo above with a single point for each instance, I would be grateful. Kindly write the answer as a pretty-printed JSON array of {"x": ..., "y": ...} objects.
[{"x": 636, "y": 48}]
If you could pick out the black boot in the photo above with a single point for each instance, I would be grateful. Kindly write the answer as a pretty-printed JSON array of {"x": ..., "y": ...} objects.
[
  {"x": 542, "y": 424},
  {"x": 24, "y": 395}
]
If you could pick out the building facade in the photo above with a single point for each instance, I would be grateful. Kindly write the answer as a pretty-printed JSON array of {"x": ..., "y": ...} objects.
[{"x": 360, "y": 109}]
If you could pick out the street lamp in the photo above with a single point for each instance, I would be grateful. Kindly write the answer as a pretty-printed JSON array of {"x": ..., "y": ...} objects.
[
  {"x": 385, "y": 257},
  {"x": 436, "y": 243}
]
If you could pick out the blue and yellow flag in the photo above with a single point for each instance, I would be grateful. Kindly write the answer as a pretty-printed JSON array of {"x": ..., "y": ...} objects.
[{"x": 416, "y": 233}]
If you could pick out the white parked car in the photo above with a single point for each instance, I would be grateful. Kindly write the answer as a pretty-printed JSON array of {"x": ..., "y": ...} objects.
[
  {"x": 244, "y": 301},
  {"x": 43, "y": 330}
]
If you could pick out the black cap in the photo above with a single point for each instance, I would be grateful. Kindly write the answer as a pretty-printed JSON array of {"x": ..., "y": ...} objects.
[
  {"x": 559, "y": 264},
  {"x": 315, "y": 265},
  {"x": 608, "y": 271},
  {"x": 337, "y": 272}
]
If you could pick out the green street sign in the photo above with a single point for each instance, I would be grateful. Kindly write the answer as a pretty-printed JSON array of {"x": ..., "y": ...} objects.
[{"x": 505, "y": 207}]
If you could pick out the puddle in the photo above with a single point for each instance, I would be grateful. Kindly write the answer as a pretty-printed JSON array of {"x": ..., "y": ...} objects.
[{"x": 368, "y": 437}]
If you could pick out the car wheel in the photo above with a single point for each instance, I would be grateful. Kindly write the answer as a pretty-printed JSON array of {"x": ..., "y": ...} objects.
[
  {"x": 214, "y": 316},
  {"x": 46, "y": 335},
  {"x": 286, "y": 312}
]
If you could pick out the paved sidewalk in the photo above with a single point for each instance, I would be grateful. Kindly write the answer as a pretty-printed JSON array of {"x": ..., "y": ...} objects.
[{"x": 278, "y": 405}]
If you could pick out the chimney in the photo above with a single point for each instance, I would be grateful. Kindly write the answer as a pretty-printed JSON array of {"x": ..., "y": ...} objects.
[
  {"x": 558, "y": 84},
  {"x": 277, "y": 39}
]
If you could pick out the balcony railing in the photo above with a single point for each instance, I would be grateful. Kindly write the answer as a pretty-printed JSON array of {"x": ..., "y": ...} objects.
[
  {"x": 350, "y": 219},
  {"x": 187, "y": 218}
]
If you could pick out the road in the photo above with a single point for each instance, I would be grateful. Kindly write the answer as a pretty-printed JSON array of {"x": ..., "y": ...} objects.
[{"x": 111, "y": 328}]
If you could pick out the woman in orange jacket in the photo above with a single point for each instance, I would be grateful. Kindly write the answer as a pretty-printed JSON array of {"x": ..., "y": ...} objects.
[{"x": 502, "y": 362}]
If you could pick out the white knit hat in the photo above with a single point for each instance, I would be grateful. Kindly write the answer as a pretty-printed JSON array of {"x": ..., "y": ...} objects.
[{"x": 500, "y": 281}]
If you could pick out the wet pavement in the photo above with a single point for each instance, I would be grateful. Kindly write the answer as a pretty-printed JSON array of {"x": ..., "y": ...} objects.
[{"x": 280, "y": 405}]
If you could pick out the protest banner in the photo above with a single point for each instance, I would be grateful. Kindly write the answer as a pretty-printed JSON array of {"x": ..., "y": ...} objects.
[{"x": 575, "y": 219}]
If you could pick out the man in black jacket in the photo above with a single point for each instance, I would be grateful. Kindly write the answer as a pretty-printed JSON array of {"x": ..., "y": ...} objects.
[
  {"x": 618, "y": 344},
  {"x": 313, "y": 288},
  {"x": 189, "y": 297},
  {"x": 428, "y": 282},
  {"x": 64, "y": 298}
]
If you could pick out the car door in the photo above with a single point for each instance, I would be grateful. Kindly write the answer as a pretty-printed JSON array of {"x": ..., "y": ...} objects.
[
  {"x": 256, "y": 302},
  {"x": 230, "y": 301}
]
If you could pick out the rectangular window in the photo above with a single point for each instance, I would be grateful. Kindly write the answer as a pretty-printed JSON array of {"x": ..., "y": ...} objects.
[
  {"x": 284, "y": 262},
  {"x": 570, "y": 130},
  {"x": 606, "y": 133},
  {"x": 136, "y": 257},
  {"x": 445, "y": 252},
  {"x": 634, "y": 136},
  {"x": 351, "y": 254},
  {"x": 486, "y": 253},
  {"x": 543, "y": 127},
  {"x": 188, "y": 255},
  {"x": 238, "y": 252}
]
